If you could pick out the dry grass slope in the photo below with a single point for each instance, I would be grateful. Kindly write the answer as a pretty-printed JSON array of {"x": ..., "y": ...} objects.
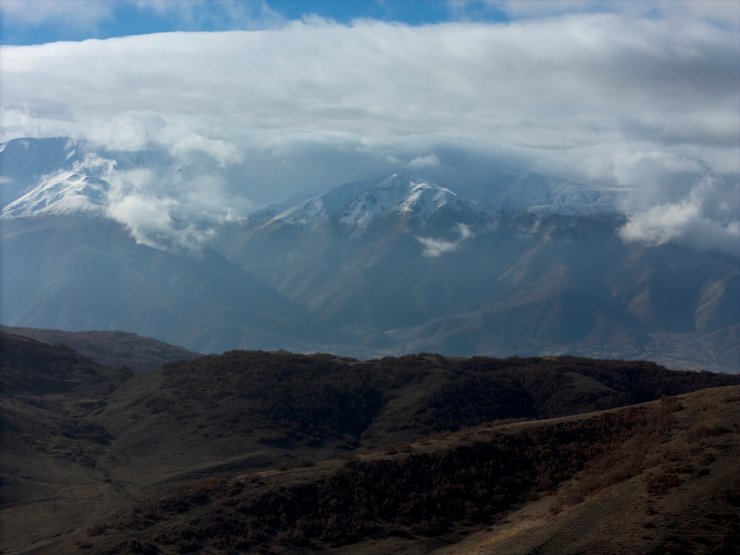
[{"x": 674, "y": 488}]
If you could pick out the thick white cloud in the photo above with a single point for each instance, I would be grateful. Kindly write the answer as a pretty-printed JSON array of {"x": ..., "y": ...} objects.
[
  {"x": 166, "y": 202},
  {"x": 151, "y": 221},
  {"x": 646, "y": 103},
  {"x": 682, "y": 222},
  {"x": 565, "y": 82},
  {"x": 700, "y": 219}
]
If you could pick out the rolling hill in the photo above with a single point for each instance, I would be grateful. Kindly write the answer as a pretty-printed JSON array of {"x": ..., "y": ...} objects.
[
  {"x": 111, "y": 348},
  {"x": 104, "y": 460}
]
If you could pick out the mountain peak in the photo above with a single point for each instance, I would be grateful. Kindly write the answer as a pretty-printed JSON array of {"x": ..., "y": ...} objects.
[
  {"x": 66, "y": 192},
  {"x": 357, "y": 204}
]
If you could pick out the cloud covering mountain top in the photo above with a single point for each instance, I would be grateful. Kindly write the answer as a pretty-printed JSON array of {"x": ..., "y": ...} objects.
[{"x": 649, "y": 103}]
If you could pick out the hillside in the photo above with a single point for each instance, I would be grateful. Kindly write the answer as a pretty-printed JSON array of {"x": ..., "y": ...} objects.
[
  {"x": 29, "y": 367},
  {"x": 258, "y": 409},
  {"x": 101, "y": 441},
  {"x": 674, "y": 490},
  {"x": 111, "y": 348},
  {"x": 79, "y": 273},
  {"x": 49, "y": 439},
  {"x": 656, "y": 478}
]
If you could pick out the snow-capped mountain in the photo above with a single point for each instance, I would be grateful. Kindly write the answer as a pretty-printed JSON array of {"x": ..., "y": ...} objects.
[
  {"x": 160, "y": 199},
  {"x": 45, "y": 176},
  {"x": 357, "y": 205},
  {"x": 560, "y": 197},
  {"x": 527, "y": 264},
  {"x": 64, "y": 193},
  {"x": 24, "y": 162}
]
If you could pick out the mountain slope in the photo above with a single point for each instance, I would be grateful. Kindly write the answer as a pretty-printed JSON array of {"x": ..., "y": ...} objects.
[
  {"x": 641, "y": 474},
  {"x": 88, "y": 273},
  {"x": 49, "y": 443},
  {"x": 111, "y": 348},
  {"x": 23, "y": 162},
  {"x": 576, "y": 287},
  {"x": 256, "y": 409},
  {"x": 101, "y": 440},
  {"x": 681, "y": 496},
  {"x": 29, "y": 367},
  {"x": 470, "y": 283},
  {"x": 528, "y": 264}
]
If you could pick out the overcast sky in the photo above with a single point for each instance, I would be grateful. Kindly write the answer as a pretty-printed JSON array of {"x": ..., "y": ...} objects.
[{"x": 304, "y": 95}]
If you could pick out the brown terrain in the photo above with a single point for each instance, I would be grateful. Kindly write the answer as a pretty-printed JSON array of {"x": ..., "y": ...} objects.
[{"x": 257, "y": 452}]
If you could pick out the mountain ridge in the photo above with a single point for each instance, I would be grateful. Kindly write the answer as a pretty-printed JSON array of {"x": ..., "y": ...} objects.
[
  {"x": 367, "y": 269},
  {"x": 524, "y": 189}
]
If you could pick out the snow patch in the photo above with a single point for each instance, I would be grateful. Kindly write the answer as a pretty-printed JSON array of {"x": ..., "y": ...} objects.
[{"x": 67, "y": 192}]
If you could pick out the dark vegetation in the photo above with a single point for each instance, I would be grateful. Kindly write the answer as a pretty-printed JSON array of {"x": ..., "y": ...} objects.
[
  {"x": 316, "y": 452},
  {"x": 315, "y": 398},
  {"x": 31, "y": 367},
  {"x": 428, "y": 493},
  {"x": 112, "y": 348},
  {"x": 302, "y": 398},
  {"x": 425, "y": 494}
]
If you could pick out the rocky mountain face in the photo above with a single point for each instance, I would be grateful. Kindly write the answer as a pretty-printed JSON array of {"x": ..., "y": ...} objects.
[
  {"x": 452, "y": 275},
  {"x": 534, "y": 265}
]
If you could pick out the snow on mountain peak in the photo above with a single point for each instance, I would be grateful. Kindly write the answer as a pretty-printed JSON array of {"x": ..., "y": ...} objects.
[
  {"x": 66, "y": 192},
  {"x": 355, "y": 205},
  {"x": 426, "y": 197}
]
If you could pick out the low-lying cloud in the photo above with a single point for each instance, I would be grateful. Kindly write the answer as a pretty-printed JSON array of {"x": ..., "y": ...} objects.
[
  {"x": 701, "y": 219},
  {"x": 164, "y": 201},
  {"x": 426, "y": 161},
  {"x": 435, "y": 247}
]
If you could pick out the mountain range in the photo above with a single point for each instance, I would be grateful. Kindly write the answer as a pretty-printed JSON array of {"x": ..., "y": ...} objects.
[{"x": 533, "y": 264}]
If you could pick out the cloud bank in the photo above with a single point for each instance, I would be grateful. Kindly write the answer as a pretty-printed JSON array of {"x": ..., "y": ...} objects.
[
  {"x": 703, "y": 218},
  {"x": 649, "y": 104}
]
